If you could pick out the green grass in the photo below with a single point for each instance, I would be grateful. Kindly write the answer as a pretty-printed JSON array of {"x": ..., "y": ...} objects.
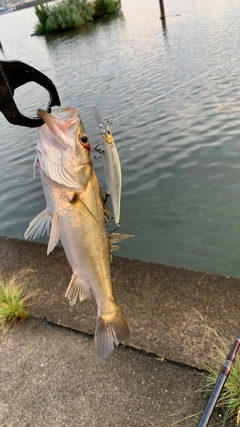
[
  {"x": 14, "y": 301},
  {"x": 105, "y": 7},
  {"x": 229, "y": 399}
]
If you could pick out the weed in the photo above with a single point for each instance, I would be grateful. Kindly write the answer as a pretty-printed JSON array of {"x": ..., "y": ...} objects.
[
  {"x": 14, "y": 302},
  {"x": 229, "y": 399}
]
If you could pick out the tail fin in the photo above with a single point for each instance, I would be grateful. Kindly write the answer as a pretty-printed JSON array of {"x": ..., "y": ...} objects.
[{"x": 110, "y": 332}]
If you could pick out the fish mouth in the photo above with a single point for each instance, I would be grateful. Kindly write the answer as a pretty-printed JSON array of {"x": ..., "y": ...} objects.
[
  {"x": 62, "y": 123},
  {"x": 64, "y": 118},
  {"x": 42, "y": 113}
]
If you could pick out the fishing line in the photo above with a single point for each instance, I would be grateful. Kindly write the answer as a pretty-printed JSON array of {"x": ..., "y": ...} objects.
[{"x": 173, "y": 90}]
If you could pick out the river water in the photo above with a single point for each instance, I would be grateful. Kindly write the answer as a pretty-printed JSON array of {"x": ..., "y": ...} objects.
[{"x": 180, "y": 155}]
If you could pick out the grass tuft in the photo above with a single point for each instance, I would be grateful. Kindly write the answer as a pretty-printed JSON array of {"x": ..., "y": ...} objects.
[
  {"x": 229, "y": 400},
  {"x": 14, "y": 301}
]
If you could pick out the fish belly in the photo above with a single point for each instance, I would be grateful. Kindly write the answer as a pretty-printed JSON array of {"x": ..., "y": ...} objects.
[{"x": 83, "y": 236}]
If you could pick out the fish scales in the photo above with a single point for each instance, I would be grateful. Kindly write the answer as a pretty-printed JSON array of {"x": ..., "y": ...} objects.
[{"x": 77, "y": 217}]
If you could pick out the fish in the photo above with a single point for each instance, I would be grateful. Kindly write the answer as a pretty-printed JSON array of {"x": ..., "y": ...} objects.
[
  {"x": 75, "y": 214},
  {"x": 112, "y": 165}
]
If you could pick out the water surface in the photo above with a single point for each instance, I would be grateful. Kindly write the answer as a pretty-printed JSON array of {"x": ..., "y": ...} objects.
[{"x": 180, "y": 155}]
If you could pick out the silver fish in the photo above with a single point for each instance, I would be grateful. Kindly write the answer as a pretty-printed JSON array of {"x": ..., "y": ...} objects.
[{"x": 75, "y": 212}]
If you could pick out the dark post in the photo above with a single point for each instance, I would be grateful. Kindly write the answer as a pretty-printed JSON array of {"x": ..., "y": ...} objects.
[{"x": 162, "y": 9}]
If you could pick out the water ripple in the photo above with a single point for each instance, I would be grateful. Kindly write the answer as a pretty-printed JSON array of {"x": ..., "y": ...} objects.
[{"x": 180, "y": 155}]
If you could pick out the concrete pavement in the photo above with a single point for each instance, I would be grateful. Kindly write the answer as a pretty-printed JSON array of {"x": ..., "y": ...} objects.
[{"x": 49, "y": 374}]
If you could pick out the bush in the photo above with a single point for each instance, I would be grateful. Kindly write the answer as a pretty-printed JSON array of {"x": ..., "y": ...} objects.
[
  {"x": 106, "y": 7},
  {"x": 42, "y": 11},
  {"x": 64, "y": 15},
  {"x": 72, "y": 14}
]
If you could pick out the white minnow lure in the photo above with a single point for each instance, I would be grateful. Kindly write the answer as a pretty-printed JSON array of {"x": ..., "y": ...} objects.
[
  {"x": 112, "y": 166},
  {"x": 75, "y": 214}
]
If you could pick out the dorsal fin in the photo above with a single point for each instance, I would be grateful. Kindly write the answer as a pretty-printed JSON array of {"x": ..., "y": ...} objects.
[{"x": 117, "y": 237}]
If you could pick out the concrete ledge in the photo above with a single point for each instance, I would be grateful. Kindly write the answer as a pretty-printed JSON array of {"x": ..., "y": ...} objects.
[
  {"x": 168, "y": 309},
  {"x": 50, "y": 377}
]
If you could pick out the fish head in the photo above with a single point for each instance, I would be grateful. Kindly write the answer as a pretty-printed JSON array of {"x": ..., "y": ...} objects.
[{"x": 63, "y": 148}]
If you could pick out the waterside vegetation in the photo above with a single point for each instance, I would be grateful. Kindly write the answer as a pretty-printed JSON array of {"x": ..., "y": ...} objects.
[
  {"x": 68, "y": 14},
  {"x": 15, "y": 303},
  {"x": 229, "y": 400}
]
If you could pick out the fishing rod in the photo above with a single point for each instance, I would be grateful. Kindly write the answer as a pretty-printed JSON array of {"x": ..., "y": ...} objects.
[
  {"x": 223, "y": 375},
  {"x": 172, "y": 90}
]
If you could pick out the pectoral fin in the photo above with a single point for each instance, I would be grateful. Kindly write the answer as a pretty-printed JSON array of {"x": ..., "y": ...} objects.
[
  {"x": 54, "y": 235},
  {"x": 76, "y": 200},
  {"x": 38, "y": 225}
]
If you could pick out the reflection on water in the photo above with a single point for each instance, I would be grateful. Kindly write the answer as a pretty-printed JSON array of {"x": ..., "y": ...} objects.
[{"x": 180, "y": 155}]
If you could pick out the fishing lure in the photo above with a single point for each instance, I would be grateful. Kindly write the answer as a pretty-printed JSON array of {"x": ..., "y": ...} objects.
[{"x": 112, "y": 166}]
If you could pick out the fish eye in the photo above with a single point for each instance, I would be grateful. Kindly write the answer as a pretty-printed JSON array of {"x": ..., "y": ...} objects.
[
  {"x": 109, "y": 133},
  {"x": 84, "y": 139}
]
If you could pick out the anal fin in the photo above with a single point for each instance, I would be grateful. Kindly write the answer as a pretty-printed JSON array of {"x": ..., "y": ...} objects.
[{"x": 77, "y": 288}]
